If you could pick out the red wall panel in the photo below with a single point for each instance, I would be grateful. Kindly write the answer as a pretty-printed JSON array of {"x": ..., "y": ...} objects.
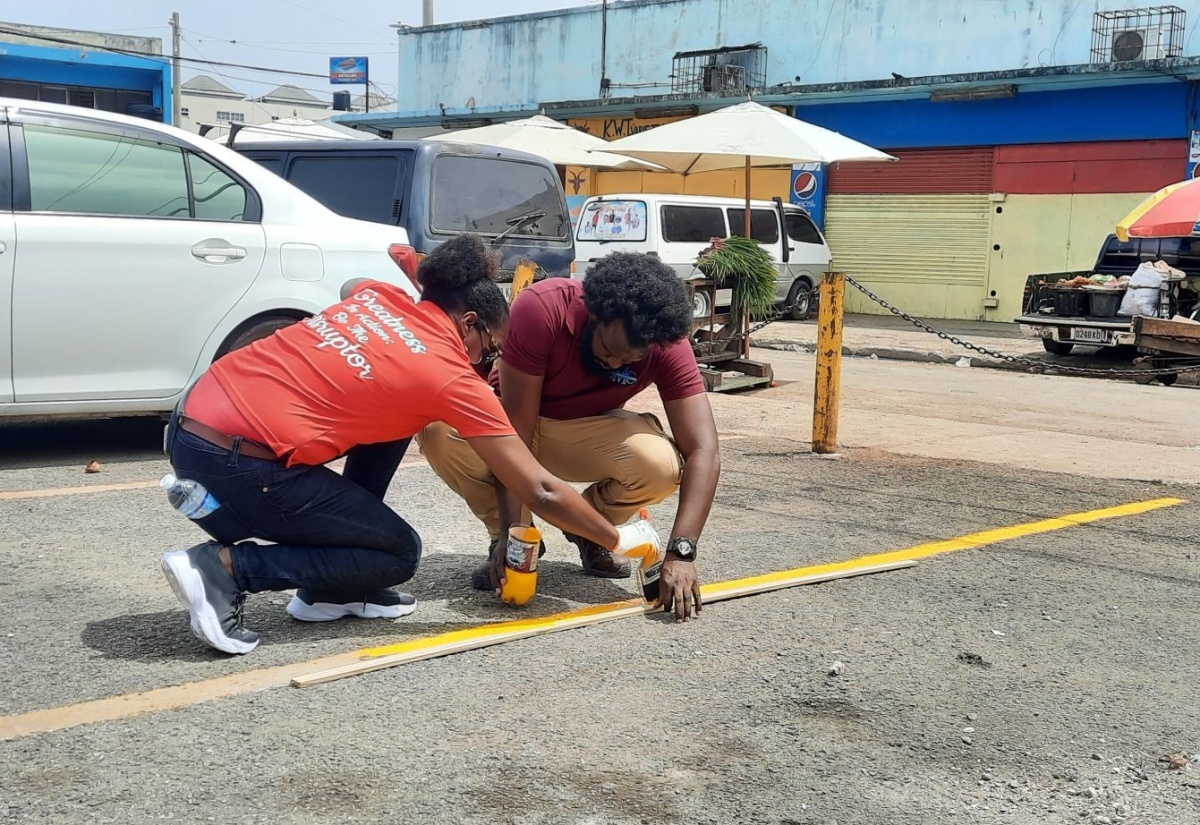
[{"x": 1089, "y": 168}]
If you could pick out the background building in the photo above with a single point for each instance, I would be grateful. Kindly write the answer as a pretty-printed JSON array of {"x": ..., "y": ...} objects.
[
  {"x": 90, "y": 69},
  {"x": 1024, "y": 130},
  {"x": 208, "y": 101}
]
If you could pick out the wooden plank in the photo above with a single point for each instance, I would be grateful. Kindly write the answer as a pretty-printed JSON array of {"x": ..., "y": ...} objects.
[
  {"x": 475, "y": 638},
  {"x": 1161, "y": 327},
  {"x": 1167, "y": 345},
  {"x": 759, "y": 368}
]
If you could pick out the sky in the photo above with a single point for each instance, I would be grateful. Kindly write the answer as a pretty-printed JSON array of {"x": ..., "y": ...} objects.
[{"x": 293, "y": 35}]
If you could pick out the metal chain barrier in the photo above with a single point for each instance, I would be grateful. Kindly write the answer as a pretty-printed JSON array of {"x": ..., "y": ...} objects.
[
  {"x": 708, "y": 346},
  {"x": 1034, "y": 364}
]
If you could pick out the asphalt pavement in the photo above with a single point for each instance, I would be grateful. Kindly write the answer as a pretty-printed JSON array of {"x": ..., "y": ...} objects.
[{"x": 1041, "y": 676}]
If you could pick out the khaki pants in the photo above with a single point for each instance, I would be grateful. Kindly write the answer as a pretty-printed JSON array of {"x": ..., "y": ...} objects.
[{"x": 629, "y": 460}]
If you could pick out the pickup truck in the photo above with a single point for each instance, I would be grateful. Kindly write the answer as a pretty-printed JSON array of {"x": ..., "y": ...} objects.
[{"x": 1061, "y": 332}]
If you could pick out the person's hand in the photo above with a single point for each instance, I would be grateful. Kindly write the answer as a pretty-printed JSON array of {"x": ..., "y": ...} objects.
[
  {"x": 499, "y": 552},
  {"x": 679, "y": 589},
  {"x": 639, "y": 542}
]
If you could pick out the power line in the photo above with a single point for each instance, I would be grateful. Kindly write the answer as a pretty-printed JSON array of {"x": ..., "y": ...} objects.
[
  {"x": 330, "y": 16},
  {"x": 157, "y": 58}
]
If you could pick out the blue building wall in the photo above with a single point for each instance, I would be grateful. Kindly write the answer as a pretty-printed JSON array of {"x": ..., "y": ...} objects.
[
  {"x": 74, "y": 67},
  {"x": 515, "y": 63},
  {"x": 1150, "y": 111}
]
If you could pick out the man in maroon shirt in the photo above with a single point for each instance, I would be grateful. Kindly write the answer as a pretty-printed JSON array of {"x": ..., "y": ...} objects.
[{"x": 575, "y": 354}]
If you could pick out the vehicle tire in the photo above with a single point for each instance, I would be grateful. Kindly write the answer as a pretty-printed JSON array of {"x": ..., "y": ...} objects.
[
  {"x": 802, "y": 310},
  {"x": 252, "y": 332},
  {"x": 1168, "y": 379},
  {"x": 1057, "y": 347},
  {"x": 701, "y": 304}
]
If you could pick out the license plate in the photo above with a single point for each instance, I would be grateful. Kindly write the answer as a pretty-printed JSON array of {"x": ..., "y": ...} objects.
[{"x": 1088, "y": 335}]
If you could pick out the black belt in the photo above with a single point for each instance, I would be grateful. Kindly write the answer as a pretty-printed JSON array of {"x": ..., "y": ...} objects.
[{"x": 224, "y": 441}]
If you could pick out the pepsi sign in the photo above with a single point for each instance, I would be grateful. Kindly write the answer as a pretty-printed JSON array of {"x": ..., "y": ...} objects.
[{"x": 808, "y": 190}]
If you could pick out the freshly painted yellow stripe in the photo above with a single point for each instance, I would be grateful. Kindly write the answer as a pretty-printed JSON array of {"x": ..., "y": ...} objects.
[
  {"x": 921, "y": 551},
  {"x": 177, "y": 696}
]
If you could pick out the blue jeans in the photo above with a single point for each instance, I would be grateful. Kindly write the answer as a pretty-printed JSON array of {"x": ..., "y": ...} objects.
[{"x": 333, "y": 534}]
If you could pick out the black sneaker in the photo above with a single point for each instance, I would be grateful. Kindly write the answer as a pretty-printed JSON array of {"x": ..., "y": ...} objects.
[
  {"x": 211, "y": 596},
  {"x": 481, "y": 577},
  {"x": 324, "y": 606}
]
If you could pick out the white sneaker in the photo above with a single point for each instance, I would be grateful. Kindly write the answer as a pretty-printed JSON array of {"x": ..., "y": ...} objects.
[{"x": 315, "y": 606}]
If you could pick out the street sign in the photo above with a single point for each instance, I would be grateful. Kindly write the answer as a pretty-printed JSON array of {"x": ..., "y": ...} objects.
[
  {"x": 348, "y": 70},
  {"x": 808, "y": 190}
]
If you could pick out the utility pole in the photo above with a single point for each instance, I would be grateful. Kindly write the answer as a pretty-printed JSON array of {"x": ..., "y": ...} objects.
[
  {"x": 175, "y": 82},
  {"x": 427, "y": 13}
]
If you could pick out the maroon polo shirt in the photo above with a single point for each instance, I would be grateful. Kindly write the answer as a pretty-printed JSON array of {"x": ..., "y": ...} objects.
[{"x": 544, "y": 339}]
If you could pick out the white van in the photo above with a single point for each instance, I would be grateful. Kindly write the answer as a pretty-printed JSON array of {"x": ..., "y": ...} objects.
[{"x": 677, "y": 227}]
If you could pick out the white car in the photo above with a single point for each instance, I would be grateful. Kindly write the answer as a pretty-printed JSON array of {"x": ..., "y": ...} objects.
[{"x": 133, "y": 254}]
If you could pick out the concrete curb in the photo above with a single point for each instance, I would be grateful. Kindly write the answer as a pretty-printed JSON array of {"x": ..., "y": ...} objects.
[{"x": 928, "y": 357}]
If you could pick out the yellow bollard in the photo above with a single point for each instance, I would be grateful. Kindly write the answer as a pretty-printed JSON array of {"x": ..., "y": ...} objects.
[
  {"x": 827, "y": 393},
  {"x": 522, "y": 277}
]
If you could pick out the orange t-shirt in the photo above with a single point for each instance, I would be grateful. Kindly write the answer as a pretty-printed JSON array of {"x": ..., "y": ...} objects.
[{"x": 376, "y": 367}]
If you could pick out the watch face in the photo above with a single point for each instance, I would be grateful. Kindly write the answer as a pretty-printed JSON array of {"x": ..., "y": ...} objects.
[{"x": 684, "y": 548}]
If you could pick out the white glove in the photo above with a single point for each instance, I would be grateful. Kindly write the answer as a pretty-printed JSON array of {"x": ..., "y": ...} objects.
[{"x": 640, "y": 543}]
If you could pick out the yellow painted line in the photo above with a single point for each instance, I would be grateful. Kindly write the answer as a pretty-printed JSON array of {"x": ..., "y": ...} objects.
[
  {"x": 72, "y": 491},
  {"x": 168, "y": 698}
]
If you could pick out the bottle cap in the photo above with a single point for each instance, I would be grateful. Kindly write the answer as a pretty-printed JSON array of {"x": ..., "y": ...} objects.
[{"x": 168, "y": 481}]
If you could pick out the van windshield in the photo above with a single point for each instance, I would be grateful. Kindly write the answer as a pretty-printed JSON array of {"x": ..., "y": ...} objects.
[
  {"x": 473, "y": 194},
  {"x": 613, "y": 221}
]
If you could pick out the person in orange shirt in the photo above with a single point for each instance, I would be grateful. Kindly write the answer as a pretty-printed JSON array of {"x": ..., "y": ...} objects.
[{"x": 357, "y": 380}]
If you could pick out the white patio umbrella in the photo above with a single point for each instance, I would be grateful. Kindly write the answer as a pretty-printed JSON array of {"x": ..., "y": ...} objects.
[
  {"x": 294, "y": 128},
  {"x": 747, "y": 135},
  {"x": 559, "y": 143}
]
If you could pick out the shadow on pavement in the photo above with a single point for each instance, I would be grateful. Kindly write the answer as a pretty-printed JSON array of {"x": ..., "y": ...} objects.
[{"x": 25, "y": 445}]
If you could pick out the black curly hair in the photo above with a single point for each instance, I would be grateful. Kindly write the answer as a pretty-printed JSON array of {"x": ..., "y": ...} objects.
[
  {"x": 644, "y": 293},
  {"x": 460, "y": 276}
]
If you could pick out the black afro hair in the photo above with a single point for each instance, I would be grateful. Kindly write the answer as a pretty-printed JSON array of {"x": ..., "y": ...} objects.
[{"x": 644, "y": 293}]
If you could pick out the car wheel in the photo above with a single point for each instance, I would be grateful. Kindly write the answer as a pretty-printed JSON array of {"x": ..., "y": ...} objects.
[
  {"x": 254, "y": 332},
  {"x": 801, "y": 304},
  {"x": 1168, "y": 379},
  {"x": 1057, "y": 347},
  {"x": 701, "y": 304}
]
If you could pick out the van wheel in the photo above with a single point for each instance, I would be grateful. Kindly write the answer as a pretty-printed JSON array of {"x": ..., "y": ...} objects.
[
  {"x": 701, "y": 305},
  {"x": 1057, "y": 347},
  {"x": 801, "y": 305},
  {"x": 254, "y": 332}
]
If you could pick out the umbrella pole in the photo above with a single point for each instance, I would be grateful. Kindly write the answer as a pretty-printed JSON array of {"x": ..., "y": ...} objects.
[{"x": 746, "y": 222}]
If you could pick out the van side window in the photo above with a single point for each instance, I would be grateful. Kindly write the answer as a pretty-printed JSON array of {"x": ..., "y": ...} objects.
[
  {"x": 353, "y": 185},
  {"x": 486, "y": 195},
  {"x": 693, "y": 224},
  {"x": 106, "y": 174},
  {"x": 801, "y": 228},
  {"x": 764, "y": 224}
]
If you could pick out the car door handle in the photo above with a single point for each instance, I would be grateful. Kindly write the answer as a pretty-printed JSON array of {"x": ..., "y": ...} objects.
[{"x": 214, "y": 250}]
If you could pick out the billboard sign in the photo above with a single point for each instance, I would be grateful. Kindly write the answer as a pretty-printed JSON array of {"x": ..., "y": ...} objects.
[{"x": 348, "y": 70}]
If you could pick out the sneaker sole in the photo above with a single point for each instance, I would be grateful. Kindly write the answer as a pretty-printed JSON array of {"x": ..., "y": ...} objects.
[
  {"x": 189, "y": 589},
  {"x": 324, "y": 612}
]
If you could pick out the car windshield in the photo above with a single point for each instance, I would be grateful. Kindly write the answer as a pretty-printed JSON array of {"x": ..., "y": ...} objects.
[{"x": 472, "y": 194}]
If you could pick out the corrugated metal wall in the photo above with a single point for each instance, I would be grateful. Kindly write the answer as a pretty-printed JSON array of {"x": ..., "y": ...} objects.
[
  {"x": 918, "y": 172},
  {"x": 928, "y": 254}
]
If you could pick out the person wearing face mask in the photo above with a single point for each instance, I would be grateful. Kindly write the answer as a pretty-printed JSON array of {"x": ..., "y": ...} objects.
[
  {"x": 576, "y": 352},
  {"x": 357, "y": 380}
]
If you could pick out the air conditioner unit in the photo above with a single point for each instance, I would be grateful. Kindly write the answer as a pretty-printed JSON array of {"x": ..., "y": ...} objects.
[
  {"x": 723, "y": 79},
  {"x": 1139, "y": 44}
]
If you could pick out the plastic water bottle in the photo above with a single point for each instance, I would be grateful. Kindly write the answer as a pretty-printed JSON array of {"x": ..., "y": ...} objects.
[
  {"x": 648, "y": 555},
  {"x": 520, "y": 564},
  {"x": 188, "y": 497}
]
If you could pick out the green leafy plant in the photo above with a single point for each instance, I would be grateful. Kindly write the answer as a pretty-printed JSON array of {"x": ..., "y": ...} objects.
[{"x": 744, "y": 266}]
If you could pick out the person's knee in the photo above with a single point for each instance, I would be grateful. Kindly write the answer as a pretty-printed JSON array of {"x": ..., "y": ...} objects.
[
  {"x": 653, "y": 465},
  {"x": 405, "y": 550}
]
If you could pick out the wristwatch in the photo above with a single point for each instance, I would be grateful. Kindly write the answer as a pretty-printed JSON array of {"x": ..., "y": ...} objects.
[{"x": 684, "y": 548}]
